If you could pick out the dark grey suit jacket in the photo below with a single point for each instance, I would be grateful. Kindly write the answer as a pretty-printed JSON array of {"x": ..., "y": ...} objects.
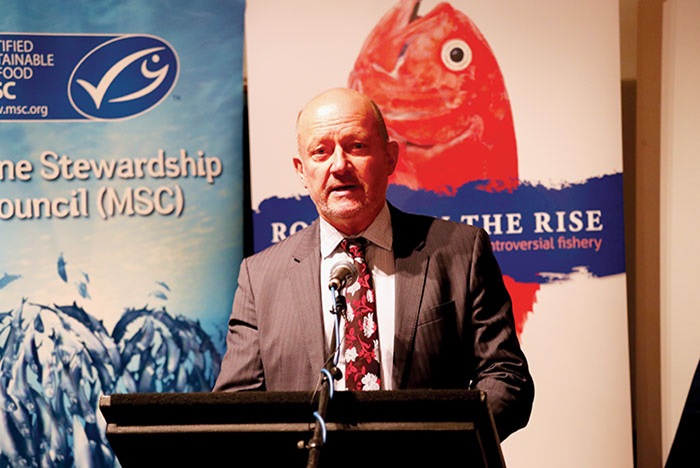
[{"x": 454, "y": 320}]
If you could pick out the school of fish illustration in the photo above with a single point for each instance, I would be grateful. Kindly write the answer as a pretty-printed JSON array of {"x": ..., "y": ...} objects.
[{"x": 56, "y": 361}]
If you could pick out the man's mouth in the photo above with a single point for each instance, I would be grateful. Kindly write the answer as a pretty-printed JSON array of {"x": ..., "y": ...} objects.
[{"x": 342, "y": 188}]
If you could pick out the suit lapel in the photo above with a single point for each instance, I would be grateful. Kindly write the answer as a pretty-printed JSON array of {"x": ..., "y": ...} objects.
[
  {"x": 411, "y": 264},
  {"x": 304, "y": 276}
]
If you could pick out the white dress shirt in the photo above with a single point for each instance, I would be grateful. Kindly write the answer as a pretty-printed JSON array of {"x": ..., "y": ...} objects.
[{"x": 380, "y": 258}]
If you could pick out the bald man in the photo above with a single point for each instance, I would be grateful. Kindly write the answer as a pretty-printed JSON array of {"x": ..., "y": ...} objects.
[{"x": 443, "y": 315}]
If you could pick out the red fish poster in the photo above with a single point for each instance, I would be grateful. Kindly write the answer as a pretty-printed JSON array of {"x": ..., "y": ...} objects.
[{"x": 508, "y": 117}]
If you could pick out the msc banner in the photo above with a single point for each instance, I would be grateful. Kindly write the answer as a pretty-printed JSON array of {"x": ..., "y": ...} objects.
[
  {"x": 121, "y": 176},
  {"x": 508, "y": 117}
]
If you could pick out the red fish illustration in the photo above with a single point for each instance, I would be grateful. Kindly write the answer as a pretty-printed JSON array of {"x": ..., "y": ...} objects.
[
  {"x": 443, "y": 96},
  {"x": 444, "y": 100},
  {"x": 523, "y": 297}
]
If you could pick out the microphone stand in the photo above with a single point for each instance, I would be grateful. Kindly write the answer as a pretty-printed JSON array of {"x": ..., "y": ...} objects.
[{"x": 330, "y": 372}]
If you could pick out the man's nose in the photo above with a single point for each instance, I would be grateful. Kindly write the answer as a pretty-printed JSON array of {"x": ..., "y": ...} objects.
[{"x": 339, "y": 160}]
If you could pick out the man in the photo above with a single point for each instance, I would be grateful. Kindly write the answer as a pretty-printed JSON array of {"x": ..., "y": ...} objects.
[{"x": 440, "y": 308}]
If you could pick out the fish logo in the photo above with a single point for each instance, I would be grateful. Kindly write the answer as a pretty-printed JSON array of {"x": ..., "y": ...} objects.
[
  {"x": 123, "y": 77},
  {"x": 443, "y": 97}
]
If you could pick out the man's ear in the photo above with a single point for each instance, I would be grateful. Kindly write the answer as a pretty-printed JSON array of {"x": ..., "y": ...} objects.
[
  {"x": 392, "y": 151},
  {"x": 299, "y": 168}
]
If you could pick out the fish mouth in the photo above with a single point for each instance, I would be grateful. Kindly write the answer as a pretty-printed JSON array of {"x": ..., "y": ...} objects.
[
  {"x": 384, "y": 49},
  {"x": 407, "y": 11},
  {"x": 414, "y": 14}
]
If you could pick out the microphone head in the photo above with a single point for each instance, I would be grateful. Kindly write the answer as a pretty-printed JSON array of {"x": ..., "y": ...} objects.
[{"x": 343, "y": 274}]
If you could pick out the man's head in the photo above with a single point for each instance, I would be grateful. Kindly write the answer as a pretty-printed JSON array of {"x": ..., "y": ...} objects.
[{"x": 344, "y": 158}]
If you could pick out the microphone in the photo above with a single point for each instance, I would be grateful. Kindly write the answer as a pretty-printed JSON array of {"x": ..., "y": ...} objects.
[{"x": 342, "y": 274}]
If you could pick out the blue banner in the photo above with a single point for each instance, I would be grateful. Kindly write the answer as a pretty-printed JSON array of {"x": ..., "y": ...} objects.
[
  {"x": 121, "y": 176},
  {"x": 538, "y": 234}
]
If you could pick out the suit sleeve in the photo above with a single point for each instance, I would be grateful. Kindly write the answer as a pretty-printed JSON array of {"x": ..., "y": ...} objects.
[
  {"x": 500, "y": 367},
  {"x": 241, "y": 367}
]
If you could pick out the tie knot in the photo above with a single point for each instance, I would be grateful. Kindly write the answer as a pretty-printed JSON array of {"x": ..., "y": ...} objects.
[{"x": 355, "y": 247}]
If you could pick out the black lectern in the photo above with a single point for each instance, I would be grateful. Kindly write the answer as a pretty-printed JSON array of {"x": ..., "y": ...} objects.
[{"x": 412, "y": 428}]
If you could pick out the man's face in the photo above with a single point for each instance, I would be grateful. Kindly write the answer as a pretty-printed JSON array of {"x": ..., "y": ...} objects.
[{"x": 343, "y": 161}]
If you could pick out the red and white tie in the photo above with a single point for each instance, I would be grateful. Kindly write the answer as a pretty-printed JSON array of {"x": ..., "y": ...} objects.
[{"x": 362, "y": 369}]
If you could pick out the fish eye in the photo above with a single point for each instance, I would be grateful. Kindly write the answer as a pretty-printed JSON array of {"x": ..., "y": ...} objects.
[{"x": 456, "y": 54}]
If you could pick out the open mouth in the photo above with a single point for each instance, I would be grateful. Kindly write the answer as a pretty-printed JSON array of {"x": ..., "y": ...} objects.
[{"x": 343, "y": 188}]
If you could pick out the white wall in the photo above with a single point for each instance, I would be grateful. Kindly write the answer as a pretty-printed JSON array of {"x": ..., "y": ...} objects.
[{"x": 680, "y": 209}]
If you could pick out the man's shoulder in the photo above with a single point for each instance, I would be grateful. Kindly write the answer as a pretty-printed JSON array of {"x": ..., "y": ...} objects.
[
  {"x": 431, "y": 234},
  {"x": 434, "y": 224},
  {"x": 301, "y": 240},
  {"x": 453, "y": 232}
]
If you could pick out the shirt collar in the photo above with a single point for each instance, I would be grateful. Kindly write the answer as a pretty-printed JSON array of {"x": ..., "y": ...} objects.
[{"x": 378, "y": 233}]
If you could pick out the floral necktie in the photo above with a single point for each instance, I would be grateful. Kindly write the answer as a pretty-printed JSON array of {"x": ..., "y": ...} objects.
[{"x": 362, "y": 369}]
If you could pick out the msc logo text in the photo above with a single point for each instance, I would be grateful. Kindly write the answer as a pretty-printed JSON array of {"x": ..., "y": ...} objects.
[
  {"x": 6, "y": 90},
  {"x": 43, "y": 111}
]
